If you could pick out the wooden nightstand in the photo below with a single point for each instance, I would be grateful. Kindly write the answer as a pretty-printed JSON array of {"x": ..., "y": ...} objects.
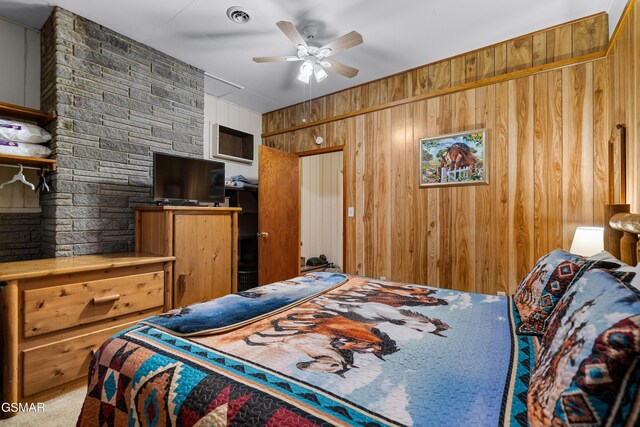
[{"x": 204, "y": 242}]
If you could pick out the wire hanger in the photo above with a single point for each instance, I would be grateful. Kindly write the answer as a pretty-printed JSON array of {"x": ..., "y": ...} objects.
[
  {"x": 18, "y": 177},
  {"x": 42, "y": 183}
]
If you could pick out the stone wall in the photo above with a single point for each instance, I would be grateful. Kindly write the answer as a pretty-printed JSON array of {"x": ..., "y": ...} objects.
[
  {"x": 20, "y": 236},
  {"x": 117, "y": 102}
]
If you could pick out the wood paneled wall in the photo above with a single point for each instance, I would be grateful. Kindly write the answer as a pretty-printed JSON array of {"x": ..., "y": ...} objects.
[
  {"x": 586, "y": 36},
  {"x": 546, "y": 145},
  {"x": 624, "y": 95},
  {"x": 547, "y": 175}
]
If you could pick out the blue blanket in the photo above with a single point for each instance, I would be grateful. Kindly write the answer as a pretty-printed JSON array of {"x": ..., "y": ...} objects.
[
  {"x": 366, "y": 353},
  {"x": 235, "y": 310}
]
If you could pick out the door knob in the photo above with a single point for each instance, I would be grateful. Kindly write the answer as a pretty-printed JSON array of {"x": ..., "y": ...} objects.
[{"x": 263, "y": 234}]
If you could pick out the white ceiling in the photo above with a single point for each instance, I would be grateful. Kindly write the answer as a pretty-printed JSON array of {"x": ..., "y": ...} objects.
[{"x": 398, "y": 35}]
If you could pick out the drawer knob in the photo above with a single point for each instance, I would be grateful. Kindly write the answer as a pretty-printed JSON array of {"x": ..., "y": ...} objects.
[{"x": 107, "y": 299}]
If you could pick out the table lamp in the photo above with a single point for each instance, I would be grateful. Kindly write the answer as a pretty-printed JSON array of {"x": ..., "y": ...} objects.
[{"x": 587, "y": 241}]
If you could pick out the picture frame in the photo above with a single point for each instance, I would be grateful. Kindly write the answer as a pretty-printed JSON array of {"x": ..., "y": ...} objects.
[{"x": 454, "y": 159}]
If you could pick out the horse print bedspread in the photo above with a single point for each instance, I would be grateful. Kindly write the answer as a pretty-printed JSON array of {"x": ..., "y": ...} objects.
[
  {"x": 366, "y": 353},
  {"x": 234, "y": 310}
]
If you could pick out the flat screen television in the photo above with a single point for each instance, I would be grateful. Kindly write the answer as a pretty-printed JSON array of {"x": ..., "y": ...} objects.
[{"x": 187, "y": 180}]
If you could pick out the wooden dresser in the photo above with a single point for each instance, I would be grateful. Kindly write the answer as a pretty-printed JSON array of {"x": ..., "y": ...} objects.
[
  {"x": 56, "y": 312},
  {"x": 204, "y": 242}
]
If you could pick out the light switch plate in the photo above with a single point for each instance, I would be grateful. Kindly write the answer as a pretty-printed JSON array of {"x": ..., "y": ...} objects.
[{"x": 351, "y": 212}]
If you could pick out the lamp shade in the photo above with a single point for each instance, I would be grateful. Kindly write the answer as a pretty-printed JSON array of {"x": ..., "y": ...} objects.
[
  {"x": 319, "y": 72},
  {"x": 306, "y": 70},
  {"x": 587, "y": 241}
]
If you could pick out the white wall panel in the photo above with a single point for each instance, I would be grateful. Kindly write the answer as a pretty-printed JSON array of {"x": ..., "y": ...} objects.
[
  {"x": 20, "y": 64},
  {"x": 219, "y": 111},
  {"x": 20, "y": 85},
  {"x": 234, "y": 116},
  {"x": 17, "y": 197}
]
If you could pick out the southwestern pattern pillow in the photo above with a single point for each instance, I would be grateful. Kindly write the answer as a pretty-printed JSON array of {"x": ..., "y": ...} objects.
[
  {"x": 629, "y": 271},
  {"x": 543, "y": 287},
  {"x": 588, "y": 367}
]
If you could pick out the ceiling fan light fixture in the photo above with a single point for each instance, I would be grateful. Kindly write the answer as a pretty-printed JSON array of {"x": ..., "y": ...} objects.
[
  {"x": 319, "y": 72},
  {"x": 304, "y": 78},
  {"x": 312, "y": 56},
  {"x": 306, "y": 69},
  {"x": 238, "y": 15}
]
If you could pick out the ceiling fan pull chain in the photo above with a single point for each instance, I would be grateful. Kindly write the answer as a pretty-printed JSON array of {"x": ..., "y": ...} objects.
[{"x": 310, "y": 96}]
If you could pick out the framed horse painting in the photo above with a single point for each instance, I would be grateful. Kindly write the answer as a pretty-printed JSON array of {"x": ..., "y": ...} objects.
[{"x": 454, "y": 159}]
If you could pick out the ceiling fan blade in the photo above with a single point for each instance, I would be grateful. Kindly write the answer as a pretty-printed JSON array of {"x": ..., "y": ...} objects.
[
  {"x": 275, "y": 58},
  {"x": 343, "y": 43},
  {"x": 342, "y": 69},
  {"x": 292, "y": 33}
]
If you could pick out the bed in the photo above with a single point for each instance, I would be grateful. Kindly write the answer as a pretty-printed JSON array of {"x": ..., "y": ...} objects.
[
  {"x": 363, "y": 352},
  {"x": 335, "y": 349}
]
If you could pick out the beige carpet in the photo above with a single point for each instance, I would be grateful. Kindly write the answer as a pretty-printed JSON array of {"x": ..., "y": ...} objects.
[{"x": 62, "y": 411}]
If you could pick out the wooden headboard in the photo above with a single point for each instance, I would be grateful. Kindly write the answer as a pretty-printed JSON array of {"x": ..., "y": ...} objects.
[
  {"x": 621, "y": 227},
  {"x": 621, "y": 236}
]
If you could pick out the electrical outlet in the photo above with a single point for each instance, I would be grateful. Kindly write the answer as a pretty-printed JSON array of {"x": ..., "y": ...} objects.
[
  {"x": 383, "y": 277},
  {"x": 351, "y": 212},
  {"x": 502, "y": 293}
]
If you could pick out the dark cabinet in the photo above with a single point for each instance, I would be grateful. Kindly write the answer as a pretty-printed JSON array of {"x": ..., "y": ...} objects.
[{"x": 247, "y": 199}]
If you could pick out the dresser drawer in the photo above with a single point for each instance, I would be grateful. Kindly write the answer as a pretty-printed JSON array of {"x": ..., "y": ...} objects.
[
  {"x": 52, "y": 365},
  {"x": 60, "y": 307}
]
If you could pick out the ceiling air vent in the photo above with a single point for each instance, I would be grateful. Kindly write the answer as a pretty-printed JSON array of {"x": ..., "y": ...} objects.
[{"x": 238, "y": 15}]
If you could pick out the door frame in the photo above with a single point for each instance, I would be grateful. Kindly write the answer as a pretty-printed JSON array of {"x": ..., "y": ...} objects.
[{"x": 325, "y": 150}]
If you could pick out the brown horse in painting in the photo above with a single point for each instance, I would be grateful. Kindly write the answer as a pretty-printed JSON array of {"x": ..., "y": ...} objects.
[{"x": 457, "y": 156}]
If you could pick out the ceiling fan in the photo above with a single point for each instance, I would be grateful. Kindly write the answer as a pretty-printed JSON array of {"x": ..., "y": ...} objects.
[{"x": 316, "y": 59}]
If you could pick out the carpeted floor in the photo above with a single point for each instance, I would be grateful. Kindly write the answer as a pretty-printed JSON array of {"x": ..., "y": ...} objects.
[{"x": 62, "y": 411}]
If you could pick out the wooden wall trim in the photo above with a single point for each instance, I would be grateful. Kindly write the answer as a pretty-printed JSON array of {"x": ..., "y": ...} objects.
[
  {"x": 621, "y": 23},
  {"x": 437, "y": 93},
  {"x": 320, "y": 151}
]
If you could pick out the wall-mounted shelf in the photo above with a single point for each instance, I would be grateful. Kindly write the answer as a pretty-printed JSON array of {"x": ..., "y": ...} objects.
[
  {"x": 19, "y": 199},
  {"x": 49, "y": 164},
  {"x": 25, "y": 113},
  {"x": 231, "y": 144}
]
